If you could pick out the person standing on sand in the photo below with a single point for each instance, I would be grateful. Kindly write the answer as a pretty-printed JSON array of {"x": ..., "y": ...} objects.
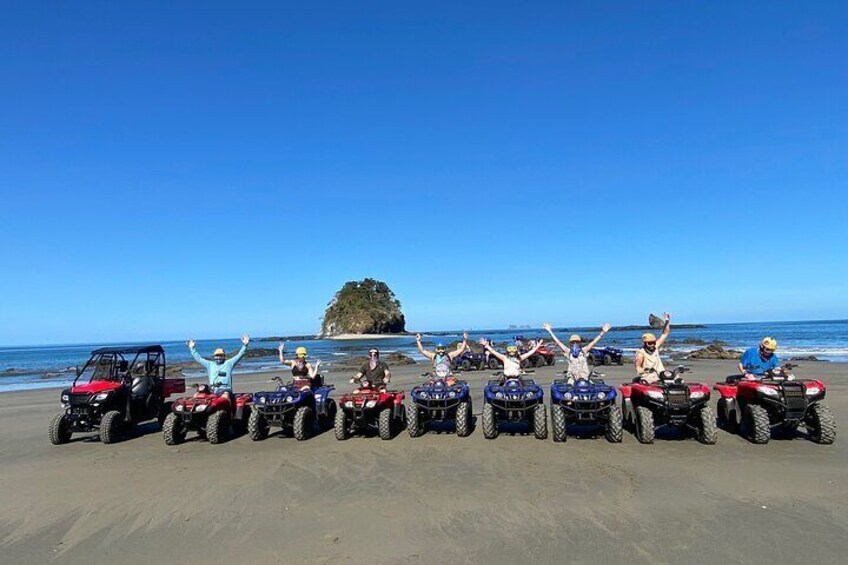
[
  {"x": 512, "y": 360},
  {"x": 219, "y": 369},
  {"x": 757, "y": 360},
  {"x": 441, "y": 358},
  {"x": 376, "y": 372},
  {"x": 648, "y": 362},
  {"x": 300, "y": 367},
  {"x": 575, "y": 353}
]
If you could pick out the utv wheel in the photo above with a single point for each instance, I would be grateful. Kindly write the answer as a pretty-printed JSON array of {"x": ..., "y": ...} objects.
[
  {"x": 540, "y": 421},
  {"x": 493, "y": 363},
  {"x": 384, "y": 424},
  {"x": 707, "y": 430},
  {"x": 463, "y": 419},
  {"x": 466, "y": 365},
  {"x": 326, "y": 420},
  {"x": 755, "y": 424},
  {"x": 59, "y": 431},
  {"x": 490, "y": 423},
  {"x": 340, "y": 425},
  {"x": 607, "y": 359},
  {"x": 644, "y": 425},
  {"x": 172, "y": 430},
  {"x": 727, "y": 418},
  {"x": 304, "y": 423},
  {"x": 615, "y": 425},
  {"x": 560, "y": 428},
  {"x": 413, "y": 423},
  {"x": 257, "y": 426},
  {"x": 821, "y": 425},
  {"x": 112, "y": 427},
  {"x": 218, "y": 427}
]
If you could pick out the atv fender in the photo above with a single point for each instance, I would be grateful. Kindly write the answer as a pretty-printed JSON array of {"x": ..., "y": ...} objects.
[
  {"x": 726, "y": 390},
  {"x": 626, "y": 391},
  {"x": 627, "y": 412}
]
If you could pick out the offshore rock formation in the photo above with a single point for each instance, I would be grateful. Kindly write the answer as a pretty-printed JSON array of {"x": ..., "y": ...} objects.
[{"x": 363, "y": 307}]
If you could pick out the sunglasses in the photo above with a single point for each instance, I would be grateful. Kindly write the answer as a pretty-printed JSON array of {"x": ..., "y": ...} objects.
[
  {"x": 650, "y": 343},
  {"x": 373, "y": 353}
]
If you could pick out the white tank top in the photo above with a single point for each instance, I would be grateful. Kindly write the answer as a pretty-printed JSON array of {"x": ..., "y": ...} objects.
[
  {"x": 512, "y": 367},
  {"x": 651, "y": 361}
]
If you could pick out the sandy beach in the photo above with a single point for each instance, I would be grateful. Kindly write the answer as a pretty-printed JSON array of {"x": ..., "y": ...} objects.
[{"x": 435, "y": 499}]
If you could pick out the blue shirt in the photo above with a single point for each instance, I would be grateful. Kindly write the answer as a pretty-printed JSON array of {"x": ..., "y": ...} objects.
[
  {"x": 753, "y": 362},
  {"x": 220, "y": 373}
]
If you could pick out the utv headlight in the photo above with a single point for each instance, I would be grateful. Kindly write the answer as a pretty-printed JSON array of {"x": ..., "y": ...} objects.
[
  {"x": 101, "y": 396},
  {"x": 602, "y": 395},
  {"x": 696, "y": 395},
  {"x": 768, "y": 391},
  {"x": 179, "y": 408},
  {"x": 655, "y": 394},
  {"x": 200, "y": 407},
  {"x": 65, "y": 398},
  {"x": 371, "y": 404},
  {"x": 813, "y": 390}
]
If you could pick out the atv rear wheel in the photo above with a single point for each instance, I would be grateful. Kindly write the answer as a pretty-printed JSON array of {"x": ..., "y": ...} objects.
[
  {"x": 755, "y": 424},
  {"x": 560, "y": 428},
  {"x": 820, "y": 424},
  {"x": 551, "y": 360},
  {"x": 540, "y": 421},
  {"x": 218, "y": 427},
  {"x": 615, "y": 426},
  {"x": 541, "y": 361},
  {"x": 493, "y": 363},
  {"x": 707, "y": 430},
  {"x": 340, "y": 427},
  {"x": 607, "y": 359},
  {"x": 645, "y": 431},
  {"x": 59, "y": 431},
  {"x": 304, "y": 423},
  {"x": 173, "y": 430},
  {"x": 413, "y": 423},
  {"x": 463, "y": 419},
  {"x": 257, "y": 426},
  {"x": 490, "y": 423},
  {"x": 465, "y": 365},
  {"x": 727, "y": 417},
  {"x": 384, "y": 424},
  {"x": 112, "y": 427}
]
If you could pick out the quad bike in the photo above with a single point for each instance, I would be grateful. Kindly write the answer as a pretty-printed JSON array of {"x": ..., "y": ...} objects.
[
  {"x": 369, "y": 406},
  {"x": 585, "y": 401},
  {"x": 778, "y": 402},
  {"x": 117, "y": 389},
  {"x": 514, "y": 399},
  {"x": 605, "y": 356},
  {"x": 668, "y": 402},
  {"x": 297, "y": 406},
  {"x": 209, "y": 413},
  {"x": 470, "y": 361},
  {"x": 443, "y": 398}
]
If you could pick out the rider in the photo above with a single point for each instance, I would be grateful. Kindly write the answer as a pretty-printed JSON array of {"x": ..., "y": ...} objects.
[
  {"x": 757, "y": 360},
  {"x": 302, "y": 370},
  {"x": 649, "y": 366},
  {"x": 220, "y": 369},
  {"x": 441, "y": 358},
  {"x": 376, "y": 372},
  {"x": 578, "y": 367},
  {"x": 513, "y": 359}
]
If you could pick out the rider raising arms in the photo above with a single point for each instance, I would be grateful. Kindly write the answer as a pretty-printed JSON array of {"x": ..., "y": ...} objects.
[
  {"x": 219, "y": 369},
  {"x": 374, "y": 371},
  {"x": 575, "y": 353},
  {"x": 512, "y": 360},
  {"x": 441, "y": 355},
  {"x": 301, "y": 368},
  {"x": 648, "y": 362}
]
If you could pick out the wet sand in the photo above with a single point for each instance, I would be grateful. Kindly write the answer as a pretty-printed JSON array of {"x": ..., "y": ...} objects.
[{"x": 434, "y": 499}]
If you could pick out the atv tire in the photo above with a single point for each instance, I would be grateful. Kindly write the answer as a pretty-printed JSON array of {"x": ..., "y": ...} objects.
[
  {"x": 820, "y": 424},
  {"x": 541, "y": 361},
  {"x": 727, "y": 418},
  {"x": 112, "y": 427},
  {"x": 257, "y": 426},
  {"x": 413, "y": 421},
  {"x": 463, "y": 419},
  {"x": 59, "y": 432},
  {"x": 490, "y": 423},
  {"x": 340, "y": 428},
  {"x": 465, "y": 365},
  {"x": 218, "y": 427},
  {"x": 755, "y": 424},
  {"x": 384, "y": 424},
  {"x": 707, "y": 429},
  {"x": 540, "y": 421},
  {"x": 559, "y": 425},
  {"x": 607, "y": 359},
  {"x": 551, "y": 360},
  {"x": 615, "y": 425},
  {"x": 172, "y": 430},
  {"x": 645, "y": 431},
  {"x": 590, "y": 359},
  {"x": 304, "y": 423},
  {"x": 493, "y": 363}
]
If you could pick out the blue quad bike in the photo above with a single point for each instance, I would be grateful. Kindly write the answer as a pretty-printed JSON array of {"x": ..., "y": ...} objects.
[
  {"x": 292, "y": 408},
  {"x": 514, "y": 399},
  {"x": 589, "y": 402},
  {"x": 442, "y": 399},
  {"x": 605, "y": 356},
  {"x": 469, "y": 361}
]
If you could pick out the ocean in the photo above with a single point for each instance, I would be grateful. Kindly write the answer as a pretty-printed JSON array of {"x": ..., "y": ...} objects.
[{"x": 48, "y": 366}]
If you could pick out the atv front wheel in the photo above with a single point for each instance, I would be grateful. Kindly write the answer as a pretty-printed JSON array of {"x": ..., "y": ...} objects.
[
  {"x": 340, "y": 427},
  {"x": 727, "y": 418},
  {"x": 112, "y": 427},
  {"x": 413, "y": 424},
  {"x": 615, "y": 425},
  {"x": 490, "y": 423},
  {"x": 304, "y": 423},
  {"x": 384, "y": 424},
  {"x": 541, "y": 361},
  {"x": 493, "y": 363},
  {"x": 560, "y": 428},
  {"x": 590, "y": 360},
  {"x": 173, "y": 430},
  {"x": 59, "y": 431},
  {"x": 820, "y": 424},
  {"x": 218, "y": 427},
  {"x": 707, "y": 430},
  {"x": 551, "y": 360},
  {"x": 755, "y": 424},
  {"x": 540, "y": 421},
  {"x": 645, "y": 432},
  {"x": 607, "y": 359},
  {"x": 463, "y": 419},
  {"x": 257, "y": 426},
  {"x": 466, "y": 365}
]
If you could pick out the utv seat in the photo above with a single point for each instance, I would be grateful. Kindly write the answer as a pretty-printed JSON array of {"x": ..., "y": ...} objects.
[{"x": 141, "y": 386}]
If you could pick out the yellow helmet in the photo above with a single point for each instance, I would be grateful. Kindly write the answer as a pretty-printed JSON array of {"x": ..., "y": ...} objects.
[
  {"x": 575, "y": 337},
  {"x": 300, "y": 352},
  {"x": 219, "y": 353},
  {"x": 769, "y": 343},
  {"x": 648, "y": 337},
  {"x": 512, "y": 349}
]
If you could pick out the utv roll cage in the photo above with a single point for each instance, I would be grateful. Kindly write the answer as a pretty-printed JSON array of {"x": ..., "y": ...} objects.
[{"x": 111, "y": 363}]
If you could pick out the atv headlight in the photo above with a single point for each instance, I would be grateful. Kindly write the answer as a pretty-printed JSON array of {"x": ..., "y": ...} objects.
[
  {"x": 452, "y": 394},
  {"x": 655, "y": 394},
  {"x": 768, "y": 391},
  {"x": 602, "y": 395},
  {"x": 200, "y": 407},
  {"x": 179, "y": 408},
  {"x": 499, "y": 395},
  {"x": 567, "y": 396},
  {"x": 696, "y": 395},
  {"x": 289, "y": 398},
  {"x": 65, "y": 399},
  {"x": 262, "y": 400},
  {"x": 813, "y": 390},
  {"x": 371, "y": 404},
  {"x": 423, "y": 395},
  {"x": 101, "y": 396},
  {"x": 530, "y": 394},
  {"x": 349, "y": 404},
  {"x": 317, "y": 397}
]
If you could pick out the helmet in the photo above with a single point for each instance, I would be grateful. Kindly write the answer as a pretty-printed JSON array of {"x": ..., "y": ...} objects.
[
  {"x": 300, "y": 352},
  {"x": 219, "y": 353},
  {"x": 769, "y": 343},
  {"x": 648, "y": 337},
  {"x": 575, "y": 337},
  {"x": 512, "y": 349}
]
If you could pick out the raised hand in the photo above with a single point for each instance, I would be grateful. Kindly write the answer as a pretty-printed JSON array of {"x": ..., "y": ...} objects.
[
  {"x": 191, "y": 343},
  {"x": 317, "y": 363},
  {"x": 282, "y": 347},
  {"x": 483, "y": 341},
  {"x": 667, "y": 317},
  {"x": 464, "y": 336},
  {"x": 547, "y": 326},
  {"x": 245, "y": 339},
  {"x": 606, "y": 327},
  {"x": 417, "y": 337}
]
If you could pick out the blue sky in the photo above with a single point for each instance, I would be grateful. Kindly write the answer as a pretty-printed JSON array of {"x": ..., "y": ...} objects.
[{"x": 207, "y": 169}]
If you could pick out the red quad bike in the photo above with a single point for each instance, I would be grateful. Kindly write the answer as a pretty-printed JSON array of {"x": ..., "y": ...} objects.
[
  {"x": 778, "y": 402},
  {"x": 207, "y": 412},
  {"x": 117, "y": 389},
  {"x": 369, "y": 406},
  {"x": 668, "y": 402}
]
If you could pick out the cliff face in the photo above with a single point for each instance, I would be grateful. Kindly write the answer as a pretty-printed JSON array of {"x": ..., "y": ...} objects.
[{"x": 363, "y": 307}]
